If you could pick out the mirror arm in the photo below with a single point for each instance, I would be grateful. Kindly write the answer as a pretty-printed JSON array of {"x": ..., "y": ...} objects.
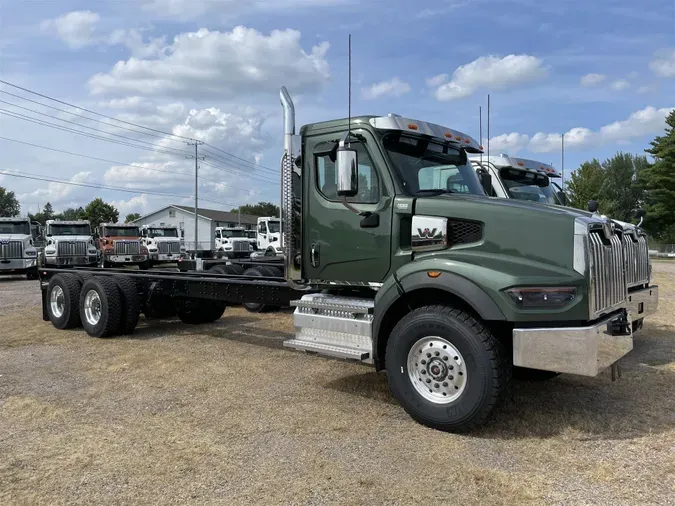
[{"x": 344, "y": 202}]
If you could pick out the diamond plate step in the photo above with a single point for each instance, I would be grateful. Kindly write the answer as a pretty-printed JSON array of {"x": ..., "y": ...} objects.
[
  {"x": 335, "y": 303},
  {"x": 328, "y": 350}
]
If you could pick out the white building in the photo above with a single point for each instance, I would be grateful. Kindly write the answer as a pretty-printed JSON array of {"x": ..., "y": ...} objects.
[{"x": 183, "y": 217}]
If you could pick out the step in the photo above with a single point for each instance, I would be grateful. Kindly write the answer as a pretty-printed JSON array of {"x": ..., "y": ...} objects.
[
  {"x": 322, "y": 301},
  {"x": 327, "y": 350}
]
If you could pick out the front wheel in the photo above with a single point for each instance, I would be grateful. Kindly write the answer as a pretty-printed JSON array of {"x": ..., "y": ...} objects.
[
  {"x": 144, "y": 266},
  {"x": 446, "y": 369}
]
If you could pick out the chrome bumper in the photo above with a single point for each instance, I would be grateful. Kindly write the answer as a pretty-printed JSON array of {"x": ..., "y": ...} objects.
[
  {"x": 16, "y": 264},
  {"x": 643, "y": 302},
  {"x": 125, "y": 259},
  {"x": 585, "y": 351},
  {"x": 90, "y": 260}
]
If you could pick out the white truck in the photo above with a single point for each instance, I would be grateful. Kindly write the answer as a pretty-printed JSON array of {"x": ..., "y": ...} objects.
[
  {"x": 18, "y": 254},
  {"x": 232, "y": 242},
  {"x": 269, "y": 236},
  {"x": 163, "y": 243},
  {"x": 69, "y": 243}
]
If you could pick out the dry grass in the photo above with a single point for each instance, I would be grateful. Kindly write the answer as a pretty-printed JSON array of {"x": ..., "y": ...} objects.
[{"x": 221, "y": 414}]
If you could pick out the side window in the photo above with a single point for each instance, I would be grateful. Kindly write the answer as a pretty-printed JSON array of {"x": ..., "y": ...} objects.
[
  {"x": 217, "y": 234},
  {"x": 326, "y": 175},
  {"x": 172, "y": 213},
  {"x": 261, "y": 227}
]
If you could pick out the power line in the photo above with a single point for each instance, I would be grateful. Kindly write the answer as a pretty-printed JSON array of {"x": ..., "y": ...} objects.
[
  {"x": 247, "y": 176},
  {"x": 242, "y": 159}
]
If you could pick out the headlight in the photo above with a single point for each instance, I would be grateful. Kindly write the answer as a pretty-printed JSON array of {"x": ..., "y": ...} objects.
[
  {"x": 542, "y": 297},
  {"x": 31, "y": 253}
]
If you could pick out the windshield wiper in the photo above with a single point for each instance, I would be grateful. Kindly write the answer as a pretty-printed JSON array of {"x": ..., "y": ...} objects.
[{"x": 437, "y": 191}]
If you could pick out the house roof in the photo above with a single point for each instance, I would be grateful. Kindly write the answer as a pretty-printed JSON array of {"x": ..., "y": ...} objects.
[{"x": 210, "y": 214}]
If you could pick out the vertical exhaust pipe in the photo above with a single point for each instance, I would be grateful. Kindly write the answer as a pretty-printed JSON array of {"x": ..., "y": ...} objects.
[{"x": 289, "y": 118}]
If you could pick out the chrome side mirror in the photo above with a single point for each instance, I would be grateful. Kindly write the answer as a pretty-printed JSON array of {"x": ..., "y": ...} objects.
[{"x": 347, "y": 166}]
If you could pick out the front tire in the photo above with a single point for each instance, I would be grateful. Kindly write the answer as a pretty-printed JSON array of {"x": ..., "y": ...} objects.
[
  {"x": 446, "y": 369},
  {"x": 144, "y": 266}
]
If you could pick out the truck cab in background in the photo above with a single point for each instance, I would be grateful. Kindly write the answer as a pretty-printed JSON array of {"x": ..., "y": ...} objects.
[
  {"x": 18, "y": 254},
  {"x": 232, "y": 242},
  {"x": 69, "y": 243},
  {"x": 269, "y": 236},
  {"x": 120, "y": 244},
  {"x": 252, "y": 239},
  {"x": 163, "y": 243}
]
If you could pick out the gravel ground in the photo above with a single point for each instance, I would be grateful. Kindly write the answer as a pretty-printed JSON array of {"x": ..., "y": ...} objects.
[{"x": 221, "y": 414}]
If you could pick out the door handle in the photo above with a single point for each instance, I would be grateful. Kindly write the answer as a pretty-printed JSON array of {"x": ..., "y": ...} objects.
[{"x": 314, "y": 255}]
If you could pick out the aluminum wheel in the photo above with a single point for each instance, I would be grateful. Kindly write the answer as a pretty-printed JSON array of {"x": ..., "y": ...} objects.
[
  {"x": 57, "y": 301},
  {"x": 92, "y": 307},
  {"x": 437, "y": 370}
]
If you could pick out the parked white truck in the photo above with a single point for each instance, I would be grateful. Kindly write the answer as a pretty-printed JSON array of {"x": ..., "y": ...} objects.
[
  {"x": 232, "y": 242},
  {"x": 163, "y": 243},
  {"x": 269, "y": 236},
  {"x": 18, "y": 254},
  {"x": 69, "y": 243}
]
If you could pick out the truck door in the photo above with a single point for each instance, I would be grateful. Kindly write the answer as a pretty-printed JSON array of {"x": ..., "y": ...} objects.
[{"x": 340, "y": 244}]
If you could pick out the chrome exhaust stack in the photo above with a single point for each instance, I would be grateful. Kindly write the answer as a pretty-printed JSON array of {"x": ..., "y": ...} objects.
[{"x": 291, "y": 194}]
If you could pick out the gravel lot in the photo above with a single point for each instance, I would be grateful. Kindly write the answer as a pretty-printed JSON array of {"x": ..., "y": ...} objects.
[{"x": 222, "y": 414}]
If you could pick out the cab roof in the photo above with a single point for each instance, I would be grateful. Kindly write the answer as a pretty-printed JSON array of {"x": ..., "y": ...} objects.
[
  {"x": 14, "y": 219},
  {"x": 502, "y": 161},
  {"x": 119, "y": 225},
  {"x": 395, "y": 122},
  {"x": 67, "y": 222}
]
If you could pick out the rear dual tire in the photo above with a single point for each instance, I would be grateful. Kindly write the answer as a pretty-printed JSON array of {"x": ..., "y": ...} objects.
[{"x": 261, "y": 271}]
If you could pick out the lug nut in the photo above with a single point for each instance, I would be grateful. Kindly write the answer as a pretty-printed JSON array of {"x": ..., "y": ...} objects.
[
  {"x": 428, "y": 380},
  {"x": 445, "y": 383},
  {"x": 436, "y": 385},
  {"x": 424, "y": 362}
]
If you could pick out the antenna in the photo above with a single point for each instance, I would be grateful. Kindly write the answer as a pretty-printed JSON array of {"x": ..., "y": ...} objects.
[
  {"x": 349, "y": 117},
  {"x": 480, "y": 128},
  {"x": 488, "y": 128}
]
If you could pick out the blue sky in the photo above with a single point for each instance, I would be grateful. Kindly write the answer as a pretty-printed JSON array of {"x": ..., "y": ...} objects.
[{"x": 602, "y": 72}]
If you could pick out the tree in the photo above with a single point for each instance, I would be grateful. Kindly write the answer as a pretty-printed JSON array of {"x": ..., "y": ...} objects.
[
  {"x": 620, "y": 189},
  {"x": 71, "y": 214},
  {"x": 131, "y": 217},
  {"x": 98, "y": 211},
  {"x": 585, "y": 184},
  {"x": 259, "y": 209},
  {"x": 47, "y": 213},
  {"x": 9, "y": 205},
  {"x": 658, "y": 181}
]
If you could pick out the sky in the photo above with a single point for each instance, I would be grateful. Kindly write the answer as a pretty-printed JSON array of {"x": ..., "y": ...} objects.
[{"x": 602, "y": 73}]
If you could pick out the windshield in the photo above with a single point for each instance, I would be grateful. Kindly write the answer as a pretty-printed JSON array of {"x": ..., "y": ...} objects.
[
  {"x": 425, "y": 165},
  {"x": 69, "y": 230},
  {"x": 121, "y": 232},
  {"x": 525, "y": 189},
  {"x": 163, "y": 232},
  {"x": 20, "y": 227},
  {"x": 234, "y": 233},
  {"x": 273, "y": 226},
  {"x": 251, "y": 234}
]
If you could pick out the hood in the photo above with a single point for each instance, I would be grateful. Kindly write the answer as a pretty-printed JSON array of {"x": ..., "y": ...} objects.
[
  {"x": 120, "y": 238},
  {"x": 165, "y": 239},
  {"x": 14, "y": 237},
  {"x": 66, "y": 238}
]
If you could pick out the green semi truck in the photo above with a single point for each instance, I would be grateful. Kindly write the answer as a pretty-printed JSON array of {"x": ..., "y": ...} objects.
[{"x": 394, "y": 256}]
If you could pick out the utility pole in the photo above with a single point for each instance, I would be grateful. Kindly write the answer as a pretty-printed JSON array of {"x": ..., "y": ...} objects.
[
  {"x": 562, "y": 163},
  {"x": 197, "y": 158}
]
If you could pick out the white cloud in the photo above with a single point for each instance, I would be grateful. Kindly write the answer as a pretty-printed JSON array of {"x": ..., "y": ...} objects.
[
  {"x": 220, "y": 64},
  {"x": 620, "y": 85},
  {"x": 663, "y": 63},
  {"x": 76, "y": 28},
  {"x": 491, "y": 72},
  {"x": 435, "y": 81},
  {"x": 508, "y": 143},
  {"x": 642, "y": 90},
  {"x": 58, "y": 193},
  {"x": 133, "y": 40},
  {"x": 592, "y": 80},
  {"x": 392, "y": 88}
]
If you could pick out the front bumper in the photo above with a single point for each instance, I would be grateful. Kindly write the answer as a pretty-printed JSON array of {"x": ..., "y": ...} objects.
[
  {"x": 165, "y": 257},
  {"x": 87, "y": 260},
  {"x": 17, "y": 264},
  {"x": 125, "y": 259},
  {"x": 585, "y": 351},
  {"x": 643, "y": 302}
]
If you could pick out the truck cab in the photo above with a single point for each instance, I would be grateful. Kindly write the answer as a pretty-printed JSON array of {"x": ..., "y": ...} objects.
[
  {"x": 269, "y": 236},
  {"x": 120, "y": 244},
  {"x": 69, "y": 243},
  {"x": 18, "y": 254},
  {"x": 232, "y": 242},
  {"x": 163, "y": 243},
  {"x": 252, "y": 238}
]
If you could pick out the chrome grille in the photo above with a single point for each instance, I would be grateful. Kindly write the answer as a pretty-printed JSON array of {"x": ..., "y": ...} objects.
[
  {"x": 11, "y": 249},
  {"x": 168, "y": 247},
  {"x": 608, "y": 279},
  {"x": 636, "y": 253},
  {"x": 127, "y": 247},
  {"x": 240, "y": 246},
  {"x": 71, "y": 249}
]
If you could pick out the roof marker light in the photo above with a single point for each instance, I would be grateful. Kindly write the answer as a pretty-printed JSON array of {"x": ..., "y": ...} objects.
[
  {"x": 521, "y": 163},
  {"x": 458, "y": 138},
  {"x": 448, "y": 135},
  {"x": 413, "y": 126}
]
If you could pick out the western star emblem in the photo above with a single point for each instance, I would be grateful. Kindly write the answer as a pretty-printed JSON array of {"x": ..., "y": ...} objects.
[{"x": 426, "y": 233}]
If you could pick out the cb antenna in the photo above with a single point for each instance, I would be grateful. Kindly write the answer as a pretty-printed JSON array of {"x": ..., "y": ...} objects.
[
  {"x": 349, "y": 114},
  {"x": 480, "y": 128},
  {"x": 488, "y": 128}
]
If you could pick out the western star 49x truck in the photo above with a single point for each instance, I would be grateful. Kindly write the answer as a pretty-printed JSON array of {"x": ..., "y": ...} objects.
[
  {"x": 446, "y": 289},
  {"x": 120, "y": 244},
  {"x": 69, "y": 243},
  {"x": 269, "y": 236},
  {"x": 524, "y": 179},
  {"x": 18, "y": 254},
  {"x": 163, "y": 244}
]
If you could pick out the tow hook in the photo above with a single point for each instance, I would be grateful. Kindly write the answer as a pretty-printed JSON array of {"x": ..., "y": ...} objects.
[{"x": 620, "y": 326}]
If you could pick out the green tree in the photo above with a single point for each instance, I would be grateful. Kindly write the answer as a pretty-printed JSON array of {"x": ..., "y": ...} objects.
[
  {"x": 131, "y": 217},
  {"x": 259, "y": 209},
  {"x": 586, "y": 184},
  {"x": 98, "y": 211},
  {"x": 620, "y": 190},
  {"x": 658, "y": 180},
  {"x": 47, "y": 213},
  {"x": 9, "y": 205},
  {"x": 72, "y": 214}
]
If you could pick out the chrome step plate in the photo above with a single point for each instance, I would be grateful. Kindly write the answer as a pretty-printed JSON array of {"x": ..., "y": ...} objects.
[{"x": 327, "y": 350}]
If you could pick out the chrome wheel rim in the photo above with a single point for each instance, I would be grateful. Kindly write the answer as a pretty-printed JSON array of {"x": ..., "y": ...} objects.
[
  {"x": 437, "y": 370},
  {"x": 57, "y": 301},
  {"x": 92, "y": 307}
]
